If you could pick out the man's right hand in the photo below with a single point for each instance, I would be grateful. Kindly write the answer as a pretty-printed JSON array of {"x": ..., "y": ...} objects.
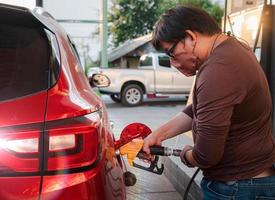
[{"x": 150, "y": 140}]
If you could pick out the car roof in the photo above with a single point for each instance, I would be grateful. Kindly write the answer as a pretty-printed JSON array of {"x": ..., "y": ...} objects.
[
  {"x": 30, "y": 17},
  {"x": 9, "y": 13}
]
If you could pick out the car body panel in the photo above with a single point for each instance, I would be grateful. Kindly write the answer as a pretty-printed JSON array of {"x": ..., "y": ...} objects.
[
  {"x": 92, "y": 184},
  {"x": 26, "y": 188},
  {"x": 164, "y": 80},
  {"x": 23, "y": 110},
  {"x": 180, "y": 83},
  {"x": 70, "y": 97}
]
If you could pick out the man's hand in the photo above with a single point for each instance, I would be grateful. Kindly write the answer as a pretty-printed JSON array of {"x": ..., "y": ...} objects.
[
  {"x": 150, "y": 140},
  {"x": 183, "y": 155}
]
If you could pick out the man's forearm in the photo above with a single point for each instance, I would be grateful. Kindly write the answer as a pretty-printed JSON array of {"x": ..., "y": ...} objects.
[{"x": 179, "y": 124}]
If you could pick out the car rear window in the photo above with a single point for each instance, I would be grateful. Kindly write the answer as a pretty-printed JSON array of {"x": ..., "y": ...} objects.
[{"x": 24, "y": 60}]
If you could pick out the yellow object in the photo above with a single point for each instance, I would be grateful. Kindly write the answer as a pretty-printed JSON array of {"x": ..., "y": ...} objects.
[{"x": 131, "y": 149}]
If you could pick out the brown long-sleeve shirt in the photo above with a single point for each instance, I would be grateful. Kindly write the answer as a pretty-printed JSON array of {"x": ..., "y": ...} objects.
[{"x": 232, "y": 115}]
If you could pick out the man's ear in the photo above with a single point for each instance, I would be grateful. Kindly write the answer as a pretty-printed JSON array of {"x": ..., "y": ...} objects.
[{"x": 192, "y": 35}]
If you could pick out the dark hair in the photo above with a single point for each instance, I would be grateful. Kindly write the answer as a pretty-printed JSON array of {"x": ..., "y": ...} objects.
[{"x": 172, "y": 25}]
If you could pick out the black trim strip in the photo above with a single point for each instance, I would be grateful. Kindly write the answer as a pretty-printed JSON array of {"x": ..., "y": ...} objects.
[
  {"x": 25, "y": 127},
  {"x": 67, "y": 122}
]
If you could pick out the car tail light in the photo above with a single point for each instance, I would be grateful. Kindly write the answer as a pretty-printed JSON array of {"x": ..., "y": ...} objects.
[
  {"x": 72, "y": 143},
  {"x": 62, "y": 142},
  {"x": 19, "y": 147},
  {"x": 69, "y": 144}
]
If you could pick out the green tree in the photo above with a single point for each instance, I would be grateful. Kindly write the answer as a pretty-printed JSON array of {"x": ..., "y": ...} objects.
[
  {"x": 133, "y": 18},
  {"x": 213, "y": 9},
  {"x": 167, "y": 4}
]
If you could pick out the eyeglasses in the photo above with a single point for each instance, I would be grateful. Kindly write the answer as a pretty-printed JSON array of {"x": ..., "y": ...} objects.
[{"x": 170, "y": 51}]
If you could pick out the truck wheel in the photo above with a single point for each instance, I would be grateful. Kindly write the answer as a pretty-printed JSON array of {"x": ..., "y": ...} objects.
[
  {"x": 132, "y": 95},
  {"x": 115, "y": 98}
]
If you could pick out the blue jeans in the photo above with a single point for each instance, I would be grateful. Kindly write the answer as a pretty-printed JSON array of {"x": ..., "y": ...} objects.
[{"x": 248, "y": 189}]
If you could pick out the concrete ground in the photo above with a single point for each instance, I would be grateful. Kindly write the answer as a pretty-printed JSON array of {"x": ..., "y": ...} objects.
[{"x": 149, "y": 186}]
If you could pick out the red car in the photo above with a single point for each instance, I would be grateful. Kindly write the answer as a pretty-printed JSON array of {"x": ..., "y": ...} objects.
[{"x": 55, "y": 138}]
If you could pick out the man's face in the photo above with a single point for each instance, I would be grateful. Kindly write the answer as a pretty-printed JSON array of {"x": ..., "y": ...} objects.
[{"x": 182, "y": 56}]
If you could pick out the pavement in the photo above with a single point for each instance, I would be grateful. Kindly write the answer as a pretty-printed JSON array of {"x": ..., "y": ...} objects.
[{"x": 149, "y": 186}]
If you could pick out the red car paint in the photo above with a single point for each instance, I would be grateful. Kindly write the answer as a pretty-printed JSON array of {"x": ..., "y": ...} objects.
[{"x": 54, "y": 143}]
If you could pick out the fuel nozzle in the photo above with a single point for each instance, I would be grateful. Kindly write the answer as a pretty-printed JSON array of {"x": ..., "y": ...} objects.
[
  {"x": 156, "y": 151},
  {"x": 164, "y": 151},
  {"x": 159, "y": 151},
  {"x": 131, "y": 142}
]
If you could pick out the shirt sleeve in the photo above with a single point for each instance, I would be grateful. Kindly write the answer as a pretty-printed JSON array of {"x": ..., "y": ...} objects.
[
  {"x": 188, "y": 110},
  {"x": 218, "y": 90}
]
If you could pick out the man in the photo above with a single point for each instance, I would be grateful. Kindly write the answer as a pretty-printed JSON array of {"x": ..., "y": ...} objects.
[{"x": 230, "y": 116}]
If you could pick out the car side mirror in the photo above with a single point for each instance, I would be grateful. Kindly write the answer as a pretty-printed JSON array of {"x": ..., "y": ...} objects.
[{"x": 99, "y": 80}]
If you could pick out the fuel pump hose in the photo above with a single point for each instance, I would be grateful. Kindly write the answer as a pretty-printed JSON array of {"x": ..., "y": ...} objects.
[{"x": 166, "y": 151}]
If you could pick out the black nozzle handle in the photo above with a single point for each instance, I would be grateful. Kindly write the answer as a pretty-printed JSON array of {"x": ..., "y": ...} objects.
[
  {"x": 164, "y": 151},
  {"x": 157, "y": 150}
]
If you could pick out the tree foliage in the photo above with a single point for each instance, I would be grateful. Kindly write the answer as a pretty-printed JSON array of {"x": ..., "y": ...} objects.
[
  {"x": 133, "y": 18},
  {"x": 214, "y": 10}
]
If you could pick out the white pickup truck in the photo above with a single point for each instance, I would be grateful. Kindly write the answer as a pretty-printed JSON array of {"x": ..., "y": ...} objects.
[{"x": 153, "y": 77}]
